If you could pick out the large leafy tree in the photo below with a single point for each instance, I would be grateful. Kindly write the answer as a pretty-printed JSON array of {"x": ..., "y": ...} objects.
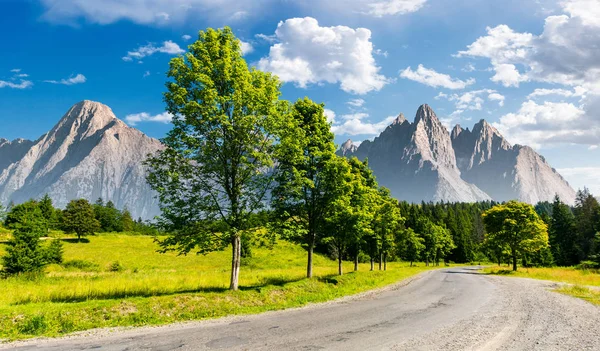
[
  {"x": 303, "y": 194},
  {"x": 386, "y": 224},
  {"x": 24, "y": 253},
  {"x": 214, "y": 172},
  {"x": 78, "y": 217},
  {"x": 410, "y": 245},
  {"x": 587, "y": 215},
  {"x": 517, "y": 226}
]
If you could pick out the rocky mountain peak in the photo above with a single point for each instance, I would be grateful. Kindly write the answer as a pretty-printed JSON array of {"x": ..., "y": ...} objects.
[
  {"x": 399, "y": 120},
  {"x": 348, "y": 147},
  {"x": 456, "y": 131},
  {"x": 86, "y": 118},
  {"x": 425, "y": 113}
]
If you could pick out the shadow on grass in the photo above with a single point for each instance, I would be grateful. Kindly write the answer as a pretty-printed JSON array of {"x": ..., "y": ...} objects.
[
  {"x": 111, "y": 295},
  {"x": 75, "y": 240}
]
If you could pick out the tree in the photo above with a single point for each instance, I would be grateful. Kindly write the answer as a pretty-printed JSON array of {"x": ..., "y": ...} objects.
[
  {"x": 17, "y": 214},
  {"x": 411, "y": 245},
  {"x": 587, "y": 216},
  {"x": 24, "y": 253},
  {"x": 127, "y": 224},
  {"x": 386, "y": 224},
  {"x": 213, "y": 173},
  {"x": 437, "y": 240},
  {"x": 518, "y": 226},
  {"x": 54, "y": 252},
  {"x": 78, "y": 218},
  {"x": 2, "y": 214},
  {"x": 48, "y": 212},
  {"x": 563, "y": 234},
  {"x": 302, "y": 195}
]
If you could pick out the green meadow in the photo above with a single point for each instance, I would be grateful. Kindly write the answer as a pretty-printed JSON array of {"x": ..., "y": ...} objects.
[{"x": 120, "y": 280}]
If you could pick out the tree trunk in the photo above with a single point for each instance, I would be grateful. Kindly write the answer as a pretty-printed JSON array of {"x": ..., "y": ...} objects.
[
  {"x": 372, "y": 264},
  {"x": 514, "y": 260},
  {"x": 356, "y": 263},
  {"x": 385, "y": 262},
  {"x": 411, "y": 262},
  {"x": 380, "y": 260},
  {"x": 340, "y": 272},
  {"x": 78, "y": 237},
  {"x": 236, "y": 248},
  {"x": 309, "y": 266}
]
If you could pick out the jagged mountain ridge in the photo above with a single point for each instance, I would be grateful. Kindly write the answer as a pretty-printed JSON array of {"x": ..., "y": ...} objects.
[
  {"x": 89, "y": 154},
  {"x": 422, "y": 161}
]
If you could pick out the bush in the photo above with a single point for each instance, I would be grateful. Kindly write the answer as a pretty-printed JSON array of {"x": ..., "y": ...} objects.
[
  {"x": 115, "y": 267},
  {"x": 83, "y": 265},
  {"x": 54, "y": 252},
  {"x": 588, "y": 265}
]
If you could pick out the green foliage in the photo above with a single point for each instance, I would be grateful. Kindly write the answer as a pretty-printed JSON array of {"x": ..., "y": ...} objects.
[
  {"x": 18, "y": 213},
  {"x": 587, "y": 217},
  {"x": 108, "y": 216},
  {"x": 518, "y": 227},
  {"x": 411, "y": 245},
  {"x": 24, "y": 253},
  {"x": 563, "y": 234},
  {"x": 48, "y": 212},
  {"x": 54, "y": 252},
  {"x": 83, "y": 265},
  {"x": 115, "y": 266},
  {"x": 78, "y": 218},
  {"x": 303, "y": 191},
  {"x": 211, "y": 176}
]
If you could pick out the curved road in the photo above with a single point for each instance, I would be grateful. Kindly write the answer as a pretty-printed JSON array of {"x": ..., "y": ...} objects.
[{"x": 451, "y": 309}]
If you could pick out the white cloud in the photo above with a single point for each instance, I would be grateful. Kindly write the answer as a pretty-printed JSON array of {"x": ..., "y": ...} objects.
[
  {"x": 549, "y": 123},
  {"x": 246, "y": 47},
  {"x": 469, "y": 67},
  {"x": 78, "y": 79},
  {"x": 580, "y": 177},
  {"x": 560, "y": 92},
  {"x": 268, "y": 38},
  {"x": 21, "y": 75},
  {"x": 136, "y": 118},
  {"x": 146, "y": 74},
  {"x": 168, "y": 47},
  {"x": 508, "y": 75},
  {"x": 15, "y": 70},
  {"x": 24, "y": 84},
  {"x": 149, "y": 12},
  {"x": 434, "y": 79},
  {"x": 186, "y": 37},
  {"x": 497, "y": 97},
  {"x": 356, "y": 102},
  {"x": 394, "y": 7},
  {"x": 330, "y": 114},
  {"x": 307, "y": 53},
  {"x": 358, "y": 125}
]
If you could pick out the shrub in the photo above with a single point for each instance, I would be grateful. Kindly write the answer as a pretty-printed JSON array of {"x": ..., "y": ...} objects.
[
  {"x": 115, "y": 267},
  {"x": 54, "y": 252}
]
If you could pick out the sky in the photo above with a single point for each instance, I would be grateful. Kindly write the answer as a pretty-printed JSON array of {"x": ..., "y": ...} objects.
[{"x": 529, "y": 67}]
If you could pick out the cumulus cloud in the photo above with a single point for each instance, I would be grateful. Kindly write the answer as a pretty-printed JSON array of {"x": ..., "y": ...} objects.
[
  {"x": 330, "y": 114},
  {"x": 472, "y": 100},
  {"x": 136, "y": 118},
  {"x": 357, "y": 124},
  {"x": 246, "y": 47},
  {"x": 497, "y": 97},
  {"x": 186, "y": 37},
  {"x": 167, "y": 47},
  {"x": 306, "y": 53},
  {"x": 77, "y": 79},
  {"x": 394, "y": 7},
  {"x": 434, "y": 79},
  {"x": 560, "y": 92}
]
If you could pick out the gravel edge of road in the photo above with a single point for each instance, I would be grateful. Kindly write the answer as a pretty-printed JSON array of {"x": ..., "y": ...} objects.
[{"x": 107, "y": 332}]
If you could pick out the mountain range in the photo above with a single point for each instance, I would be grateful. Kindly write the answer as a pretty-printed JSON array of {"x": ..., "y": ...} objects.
[
  {"x": 422, "y": 161},
  {"x": 89, "y": 154},
  {"x": 92, "y": 154}
]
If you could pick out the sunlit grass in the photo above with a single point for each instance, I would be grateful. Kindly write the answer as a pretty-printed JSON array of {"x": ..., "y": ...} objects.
[
  {"x": 591, "y": 295},
  {"x": 569, "y": 275},
  {"x": 153, "y": 288}
]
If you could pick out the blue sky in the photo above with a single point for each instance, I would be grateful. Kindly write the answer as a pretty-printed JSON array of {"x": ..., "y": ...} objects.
[{"x": 529, "y": 67}]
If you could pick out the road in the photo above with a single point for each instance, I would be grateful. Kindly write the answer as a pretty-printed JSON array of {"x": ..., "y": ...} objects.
[{"x": 450, "y": 309}]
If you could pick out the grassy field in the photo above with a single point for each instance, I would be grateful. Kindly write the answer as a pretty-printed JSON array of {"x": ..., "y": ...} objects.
[
  {"x": 569, "y": 275},
  {"x": 120, "y": 280}
]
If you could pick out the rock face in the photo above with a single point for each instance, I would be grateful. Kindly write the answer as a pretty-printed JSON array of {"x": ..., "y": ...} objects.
[
  {"x": 506, "y": 171},
  {"x": 88, "y": 154},
  {"x": 421, "y": 161},
  {"x": 416, "y": 161}
]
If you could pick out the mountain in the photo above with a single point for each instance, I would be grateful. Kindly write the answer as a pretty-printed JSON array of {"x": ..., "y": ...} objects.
[
  {"x": 416, "y": 161},
  {"x": 506, "y": 171},
  {"x": 88, "y": 154},
  {"x": 422, "y": 161}
]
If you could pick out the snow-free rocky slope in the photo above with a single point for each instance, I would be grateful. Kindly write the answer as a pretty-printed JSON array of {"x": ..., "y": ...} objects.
[
  {"x": 422, "y": 161},
  {"x": 88, "y": 154}
]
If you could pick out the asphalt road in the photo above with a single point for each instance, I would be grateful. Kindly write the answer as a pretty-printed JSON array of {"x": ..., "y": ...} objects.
[{"x": 451, "y": 309}]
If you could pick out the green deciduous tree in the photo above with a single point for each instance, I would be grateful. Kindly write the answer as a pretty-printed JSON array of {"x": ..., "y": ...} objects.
[
  {"x": 78, "y": 218},
  {"x": 410, "y": 245},
  {"x": 214, "y": 172},
  {"x": 302, "y": 194},
  {"x": 24, "y": 253},
  {"x": 517, "y": 226},
  {"x": 386, "y": 224},
  {"x": 563, "y": 234},
  {"x": 587, "y": 216}
]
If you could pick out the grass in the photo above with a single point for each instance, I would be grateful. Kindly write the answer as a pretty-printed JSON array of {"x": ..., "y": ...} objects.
[
  {"x": 120, "y": 280},
  {"x": 569, "y": 275},
  {"x": 590, "y": 295}
]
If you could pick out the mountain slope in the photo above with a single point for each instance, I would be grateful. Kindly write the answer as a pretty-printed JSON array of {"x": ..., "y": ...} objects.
[
  {"x": 88, "y": 154},
  {"x": 421, "y": 161},
  {"x": 416, "y": 161},
  {"x": 505, "y": 171}
]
